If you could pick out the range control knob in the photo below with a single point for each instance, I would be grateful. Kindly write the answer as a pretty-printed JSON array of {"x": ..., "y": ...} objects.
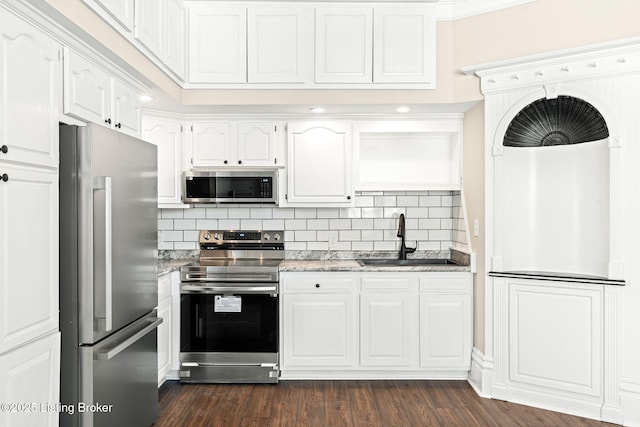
[
  {"x": 217, "y": 236},
  {"x": 206, "y": 236},
  {"x": 266, "y": 236},
  {"x": 276, "y": 236}
]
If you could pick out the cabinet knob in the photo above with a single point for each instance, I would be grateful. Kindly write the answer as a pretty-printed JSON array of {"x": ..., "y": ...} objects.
[
  {"x": 4, "y": 149},
  {"x": 225, "y": 162},
  {"x": 4, "y": 177},
  {"x": 317, "y": 285},
  {"x": 239, "y": 162},
  {"x": 348, "y": 197},
  {"x": 107, "y": 121},
  {"x": 118, "y": 125}
]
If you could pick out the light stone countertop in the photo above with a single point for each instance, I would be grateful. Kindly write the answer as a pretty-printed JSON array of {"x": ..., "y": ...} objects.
[
  {"x": 166, "y": 266},
  {"x": 353, "y": 265}
]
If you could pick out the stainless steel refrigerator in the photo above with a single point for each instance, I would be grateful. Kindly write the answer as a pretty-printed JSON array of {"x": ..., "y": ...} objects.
[{"x": 108, "y": 279}]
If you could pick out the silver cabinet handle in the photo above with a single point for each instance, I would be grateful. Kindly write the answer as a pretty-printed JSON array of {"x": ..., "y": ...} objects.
[
  {"x": 104, "y": 183},
  {"x": 110, "y": 352}
]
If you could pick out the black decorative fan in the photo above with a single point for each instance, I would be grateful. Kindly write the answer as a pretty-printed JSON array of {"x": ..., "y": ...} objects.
[{"x": 560, "y": 121}]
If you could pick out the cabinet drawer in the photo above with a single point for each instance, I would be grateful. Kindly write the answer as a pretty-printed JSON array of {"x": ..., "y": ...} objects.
[
  {"x": 444, "y": 285},
  {"x": 391, "y": 284},
  {"x": 319, "y": 285}
]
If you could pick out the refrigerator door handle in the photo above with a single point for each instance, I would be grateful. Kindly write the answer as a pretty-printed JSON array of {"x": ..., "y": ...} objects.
[
  {"x": 106, "y": 323},
  {"x": 110, "y": 352}
]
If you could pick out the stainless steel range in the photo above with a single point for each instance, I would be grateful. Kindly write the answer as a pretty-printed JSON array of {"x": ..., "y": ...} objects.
[{"x": 229, "y": 308}]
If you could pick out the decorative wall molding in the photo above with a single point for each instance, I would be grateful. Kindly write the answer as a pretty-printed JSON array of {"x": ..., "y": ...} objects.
[
  {"x": 597, "y": 60},
  {"x": 481, "y": 373}
]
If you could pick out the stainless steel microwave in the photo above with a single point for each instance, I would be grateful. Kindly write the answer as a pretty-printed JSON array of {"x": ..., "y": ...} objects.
[{"x": 230, "y": 186}]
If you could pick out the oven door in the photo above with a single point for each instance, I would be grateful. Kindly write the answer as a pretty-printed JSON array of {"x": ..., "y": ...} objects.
[{"x": 228, "y": 336}]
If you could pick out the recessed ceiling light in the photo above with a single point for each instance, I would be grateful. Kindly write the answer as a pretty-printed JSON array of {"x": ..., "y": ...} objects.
[
  {"x": 146, "y": 98},
  {"x": 403, "y": 109},
  {"x": 317, "y": 110}
]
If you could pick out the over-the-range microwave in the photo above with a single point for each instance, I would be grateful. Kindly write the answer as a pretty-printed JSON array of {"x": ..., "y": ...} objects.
[{"x": 230, "y": 186}]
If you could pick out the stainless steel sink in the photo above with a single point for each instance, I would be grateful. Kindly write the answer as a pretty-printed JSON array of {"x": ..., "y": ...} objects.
[{"x": 405, "y": 262}]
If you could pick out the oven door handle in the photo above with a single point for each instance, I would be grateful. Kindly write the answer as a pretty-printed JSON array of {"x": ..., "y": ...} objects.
[
  {"x": 228, "y": 278},
  {"x": 186, "y": 288}
]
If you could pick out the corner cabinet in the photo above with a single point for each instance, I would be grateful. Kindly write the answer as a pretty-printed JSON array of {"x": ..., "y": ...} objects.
[
  {"x": 319, "y": 156},
  {"x": 376, "y": 325}
]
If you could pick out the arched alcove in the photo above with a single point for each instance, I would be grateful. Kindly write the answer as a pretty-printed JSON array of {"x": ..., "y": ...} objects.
[{"x": 556, "y": 185}]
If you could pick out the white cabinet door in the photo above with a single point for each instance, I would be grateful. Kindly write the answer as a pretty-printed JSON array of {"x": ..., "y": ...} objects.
[
  {"x": 404, "y": 44},
  {"x": 278, "y": 41},
  {"x": 319, "y": 163},
  {"x": 319, "y": 322},
  {"x": 218, "y": 45},
  {"x": 30, "y": 375},
  {"x": 120, "y": 10},
  {"x": 213, "y": 144},
  {"x": 28, "y": 295},
  {"x": 256, "y": 144},
  {"x": 445, "y": 333},
  {"x": 344, "y": 52},
  {"x": 167, "y": 136},
  {"x": 29, "y": 81},
  {"x": 149, "y": 26},
  {"x": 126, "y": 109},
  {"x": 174, "y": 45},
  {"x": 446, "y": 326},
  {"x": 388, "y": 322},
  {"x": 165, "y": 339},
  {"x": 87, "y": 89}
]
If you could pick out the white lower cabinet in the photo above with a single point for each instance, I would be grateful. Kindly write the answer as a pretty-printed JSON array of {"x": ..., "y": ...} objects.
[
  {"x": 376, "y": 325},
  {"x": 30, "y": 387},
  {"x": 320, "y": 321},
  {"x": 168, "y": 331},
  {"x": 388, "y": 330}
]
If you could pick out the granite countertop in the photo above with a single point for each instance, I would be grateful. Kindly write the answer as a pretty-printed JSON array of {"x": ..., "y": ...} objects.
[
  {"x": 354, "y": 265},
  {"x": 166, "y": 266}
]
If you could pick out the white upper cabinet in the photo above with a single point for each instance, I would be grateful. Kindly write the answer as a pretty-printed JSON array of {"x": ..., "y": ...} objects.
[
  {"x": 175, "y": 32},
  {"x": 319, "y": 163},
  {"x": 149, "y": 25},
  {"x": 120, "y": 10},
  {"x": 344, "y": 45},
  {"x": 212, "y": 143},
  {"x": 222, "y": 143},
  {"x": 218, "y": 44},
  {"x": 167, "y": 136},
  {"x": 404, "y": 44},
  {"x": 91, "y": 94},
  {"x": 29, "y": 81},
  {"x": 160, "y": 27},
  {"x": 278, "y": 40}
]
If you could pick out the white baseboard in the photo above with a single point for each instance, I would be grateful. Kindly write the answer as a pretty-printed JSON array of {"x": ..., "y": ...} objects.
[
  {"x": 630, "y": 401},
  {"x": 480, "y": 374}
]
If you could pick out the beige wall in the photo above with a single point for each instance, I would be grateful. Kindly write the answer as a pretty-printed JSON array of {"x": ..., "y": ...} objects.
[{"x": 474, "y": 199}]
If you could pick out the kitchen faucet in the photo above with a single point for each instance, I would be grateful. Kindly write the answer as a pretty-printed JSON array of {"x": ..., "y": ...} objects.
[{"x": 404, "y": 250}]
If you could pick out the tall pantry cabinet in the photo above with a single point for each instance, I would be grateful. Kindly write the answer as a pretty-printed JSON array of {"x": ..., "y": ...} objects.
[{"x": 29, "y": 336}]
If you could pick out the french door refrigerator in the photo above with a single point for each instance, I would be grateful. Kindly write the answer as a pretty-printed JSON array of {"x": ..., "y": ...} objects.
[{"x": 108, "y": 279}]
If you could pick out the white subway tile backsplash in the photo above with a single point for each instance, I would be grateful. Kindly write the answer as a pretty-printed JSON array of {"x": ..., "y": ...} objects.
[
  {"x": 216, "y": 213},
  {"x": 339, "y": 224},
  {"x": 305, "y": 213},
  {"x": 318, "y": 224},
  {"x": 295, "y": 224},
  {"x": 433, "y": 222},
  {"x": 184, "y": 224}
]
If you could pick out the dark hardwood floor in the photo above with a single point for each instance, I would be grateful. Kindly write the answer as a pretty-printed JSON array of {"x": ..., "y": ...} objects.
[{"x": 346, "y": 403}]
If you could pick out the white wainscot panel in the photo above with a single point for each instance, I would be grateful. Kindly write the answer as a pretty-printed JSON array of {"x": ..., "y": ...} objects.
[{"x": 556, "y": 337}]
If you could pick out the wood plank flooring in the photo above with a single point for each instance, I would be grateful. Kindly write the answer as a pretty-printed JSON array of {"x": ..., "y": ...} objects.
[{"x": 346, "y": 403}]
